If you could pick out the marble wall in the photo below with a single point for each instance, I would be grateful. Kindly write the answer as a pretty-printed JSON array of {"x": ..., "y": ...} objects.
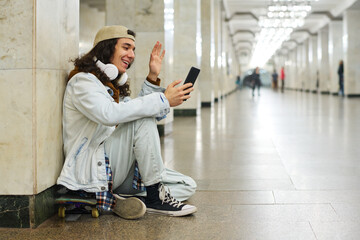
[
  {"x": 16, "y": 93},
  {"x": 91, "y": 20},
  {"x": 38, "y": 38}
]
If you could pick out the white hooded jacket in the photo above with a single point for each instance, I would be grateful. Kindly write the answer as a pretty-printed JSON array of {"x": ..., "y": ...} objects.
[{"x": 90, "y": 115}]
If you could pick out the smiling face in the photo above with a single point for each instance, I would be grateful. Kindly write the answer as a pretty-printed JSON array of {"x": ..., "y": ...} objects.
[{"x": 124, "y": 54}]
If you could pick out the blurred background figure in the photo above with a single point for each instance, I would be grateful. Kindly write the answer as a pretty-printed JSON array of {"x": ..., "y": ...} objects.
[
  {"x": 282, "y": 78},
  {"x": 238, "y": 82},
  {"x": 274, "y": 79},
  {"x": 256, "y": 82},
  {"x": 341, "y": 77}
]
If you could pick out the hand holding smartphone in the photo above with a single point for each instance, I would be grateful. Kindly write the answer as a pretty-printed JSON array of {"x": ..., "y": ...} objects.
[{"x": 192, "y": 76}]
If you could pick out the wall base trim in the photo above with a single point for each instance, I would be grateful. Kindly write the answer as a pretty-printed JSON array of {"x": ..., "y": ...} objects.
[
  {"x": 185, "y": 112},
  {"x": 27, "y": 211},
  {"x": 165, "y": 129}
]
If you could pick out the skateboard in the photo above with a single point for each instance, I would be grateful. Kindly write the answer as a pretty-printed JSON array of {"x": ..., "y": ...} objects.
[{"x": 70, "y": 204}]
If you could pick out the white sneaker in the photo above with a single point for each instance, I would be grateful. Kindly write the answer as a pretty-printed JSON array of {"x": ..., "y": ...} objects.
[{"x": 129, "y": 208}]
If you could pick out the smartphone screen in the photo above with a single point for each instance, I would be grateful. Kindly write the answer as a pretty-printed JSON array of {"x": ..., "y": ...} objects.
[{"x": 192, "y": 76}]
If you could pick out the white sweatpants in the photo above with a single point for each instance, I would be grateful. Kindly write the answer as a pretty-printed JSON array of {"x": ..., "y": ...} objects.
[{"x": 139, "y": 140}]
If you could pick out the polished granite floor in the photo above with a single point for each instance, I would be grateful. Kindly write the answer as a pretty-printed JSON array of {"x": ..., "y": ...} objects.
[{"x": 279, "y": 166}]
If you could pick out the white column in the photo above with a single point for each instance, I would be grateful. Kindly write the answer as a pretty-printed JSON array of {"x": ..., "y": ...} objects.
[
  {"x": 291, "y": 70},
  {"x": 234, "y": 66},
  {"x": 299, "y": 67},
  {"x": 288, "y": 68},
  {"x": 313, "y": 63},
  {"x": 217, "y": 49},
  {"x": 351, "y": 39},
  {"x": 229, "y": 63},
  {"x": 335, "y": 53},
  {"x": 223, "y": 42},
  {"x": 187, "y": 49},
  {"x": 206, "y": 82},
  {"x": 323, "y": 58},
  {"x": 306, "y": 67}
]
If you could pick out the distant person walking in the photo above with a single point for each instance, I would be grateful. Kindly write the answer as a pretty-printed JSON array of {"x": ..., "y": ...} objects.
[
  {"x": 255, "y": 81},
  {"x": 341, "y": 77},
  {"x": 238, "y": 82},
  {"x": 275, "y": 79},
  {"x": 282, "y": 78}
]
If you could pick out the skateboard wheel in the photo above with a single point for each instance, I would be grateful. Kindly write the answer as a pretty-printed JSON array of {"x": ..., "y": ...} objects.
[
  {"x": 94, "y": 213},
  {"x": 61, "y": 212}
]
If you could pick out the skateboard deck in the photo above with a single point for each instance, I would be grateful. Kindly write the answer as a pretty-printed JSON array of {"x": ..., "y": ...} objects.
[{"x": 69, "y": 204}]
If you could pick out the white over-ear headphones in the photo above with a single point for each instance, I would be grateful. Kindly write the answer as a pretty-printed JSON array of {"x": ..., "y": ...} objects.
[
  {"x": 123, "y": 79},
  {"x": 109, "y": 69}
]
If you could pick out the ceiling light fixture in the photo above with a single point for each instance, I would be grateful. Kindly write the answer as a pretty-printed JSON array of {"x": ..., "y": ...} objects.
[{"x": 282, "y": 17}]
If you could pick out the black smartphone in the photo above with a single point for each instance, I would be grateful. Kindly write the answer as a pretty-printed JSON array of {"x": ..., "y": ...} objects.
[{"x": 192, "y": 76}]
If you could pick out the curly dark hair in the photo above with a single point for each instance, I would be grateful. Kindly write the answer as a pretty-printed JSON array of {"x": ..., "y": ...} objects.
[{"x": 103, "y": 51}]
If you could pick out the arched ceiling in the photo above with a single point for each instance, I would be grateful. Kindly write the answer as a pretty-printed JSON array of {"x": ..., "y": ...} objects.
[{"x": 242, "y": 17}]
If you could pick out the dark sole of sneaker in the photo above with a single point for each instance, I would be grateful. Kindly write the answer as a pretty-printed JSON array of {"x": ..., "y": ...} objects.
[{"x": 129, "y": 208}]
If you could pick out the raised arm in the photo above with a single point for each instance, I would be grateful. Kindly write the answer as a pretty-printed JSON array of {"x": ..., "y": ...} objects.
[{"x": 156, "y": 58}]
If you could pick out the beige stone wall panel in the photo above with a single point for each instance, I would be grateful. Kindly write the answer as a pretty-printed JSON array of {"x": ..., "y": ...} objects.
[
  {"x": 16, "y": 152},
  {"x": 16, "y": 42}
]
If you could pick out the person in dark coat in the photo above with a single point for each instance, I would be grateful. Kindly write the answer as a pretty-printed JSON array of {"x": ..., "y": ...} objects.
[
  {"x": 256, "y": 82},
  {"x": 275, "y": 79},
  {"x": 341, "y": 77}
]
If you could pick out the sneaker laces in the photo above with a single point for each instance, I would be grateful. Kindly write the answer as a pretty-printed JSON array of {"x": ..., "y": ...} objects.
[{"x": 165, "y": 197}]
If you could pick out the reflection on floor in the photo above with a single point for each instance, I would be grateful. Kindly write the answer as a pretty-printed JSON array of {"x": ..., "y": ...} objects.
[{"x": 277, "y": 166}]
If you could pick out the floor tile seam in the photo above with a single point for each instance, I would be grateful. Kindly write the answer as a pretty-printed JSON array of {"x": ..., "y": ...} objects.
[
  {"x": 229, "y": 179},
  {"x": 317, "y": 202},
  {"x": 280, "y": 221},
  {"x": 274, "y": 198},
  {"x": 337, "y": 214},
  {"x": 250, "y": 189},
  {"x": 311, "y": 191},
  {"x": 233, "y": 190},
  {"x": 312, "y": 229},
  {"x": 345, "y": 221},
  {"x": 283, "y": 204},
  {"x": 321, "y": 190},
  {"x": 260, "y": 203},
  {"x": 282, "y": 162}
]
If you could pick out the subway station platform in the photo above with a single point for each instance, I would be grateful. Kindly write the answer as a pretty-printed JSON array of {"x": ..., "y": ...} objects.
[{"x": 278, "y": 166}]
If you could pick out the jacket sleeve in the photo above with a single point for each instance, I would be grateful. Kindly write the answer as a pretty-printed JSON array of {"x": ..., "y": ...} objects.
[
  {"x": 91, "y": 99},
  {"x": 148, "y": 88}
]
